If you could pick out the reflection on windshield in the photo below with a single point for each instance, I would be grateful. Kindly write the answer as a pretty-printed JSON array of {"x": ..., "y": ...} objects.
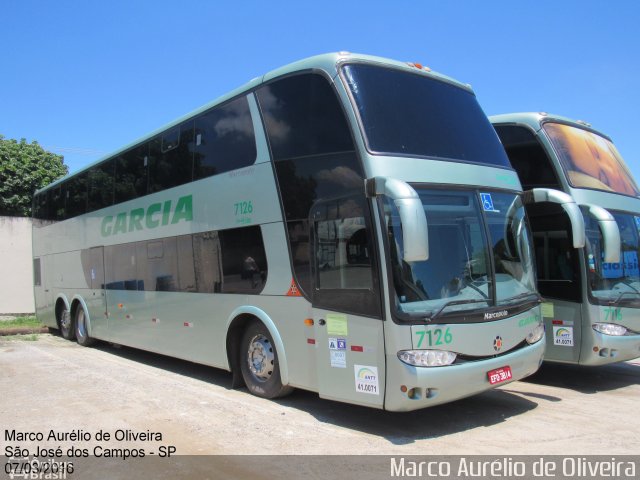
[
  {"x": 405, "y": 113},
  {"x": 461, "y": 274},
  {"x": 590, "y": 161},
  {"x": 614, "y": 282}
]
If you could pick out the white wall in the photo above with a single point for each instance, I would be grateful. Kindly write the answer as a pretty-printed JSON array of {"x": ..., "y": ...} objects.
[{"x": 16, "y": 266}]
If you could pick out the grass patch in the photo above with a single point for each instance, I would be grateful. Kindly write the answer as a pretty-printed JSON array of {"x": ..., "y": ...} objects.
[{"x": 20, "y": 322}]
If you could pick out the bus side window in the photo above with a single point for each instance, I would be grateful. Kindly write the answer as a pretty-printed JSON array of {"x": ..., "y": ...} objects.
[
  {"x": 313, "y": 153},
  {"x": 224, "y": 139},
  {"x": 131, "y": 174},
  {"x": 171, "y": 158},
  {"x": 344, "y": 272},
  {"x": 101, "y": 184}
]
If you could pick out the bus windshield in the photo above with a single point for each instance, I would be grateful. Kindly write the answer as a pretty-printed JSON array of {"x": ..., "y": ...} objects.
[
  {"x": 405, "y": 113},
  {"x": 480, "y": 255},
  {"x": 614, "y": 283},
  {"x": 590, "y": 160}
]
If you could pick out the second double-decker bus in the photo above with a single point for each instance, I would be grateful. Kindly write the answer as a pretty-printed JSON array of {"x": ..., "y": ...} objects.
[
  {"x": 346, "y": 224},
  {"x": 592, "y": 312}
]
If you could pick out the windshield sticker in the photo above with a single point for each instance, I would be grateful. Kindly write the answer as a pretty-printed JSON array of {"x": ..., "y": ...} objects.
[
  {"x": 487, "y": 203},
  {"x": 563, "y": 336},
  {"x": 547, "y": 310},
  {"x": 366, "y": 379},
  {"x": 337, "y": 325}
]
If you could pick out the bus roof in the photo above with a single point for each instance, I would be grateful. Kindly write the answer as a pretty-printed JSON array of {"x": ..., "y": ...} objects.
[
  {"x": 536, "y": 119},
  {"x": 328, "y": 62}
]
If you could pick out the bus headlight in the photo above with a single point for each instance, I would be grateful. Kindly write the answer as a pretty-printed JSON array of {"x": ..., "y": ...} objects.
[
  {"x": 610, "y": 329},
  {"x": 535, "y": 335},
  {"x": 427, "y": 358}
]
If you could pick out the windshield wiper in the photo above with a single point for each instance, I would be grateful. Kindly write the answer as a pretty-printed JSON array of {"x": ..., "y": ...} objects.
[
  {"x": 629, "y": 283},
  {"x": 617, "y": 300},
  {"x": 520, "y": 296},
  {"x": 433, "y": 316}
]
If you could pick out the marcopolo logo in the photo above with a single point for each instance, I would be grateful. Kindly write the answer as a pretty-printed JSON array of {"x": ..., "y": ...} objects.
[
  {"x": 495, "y": 315},
  {"x": 155, "y": 215}
]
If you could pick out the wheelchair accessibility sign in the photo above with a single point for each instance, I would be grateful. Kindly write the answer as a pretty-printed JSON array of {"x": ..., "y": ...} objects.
[{"x": 487, "y": 202}]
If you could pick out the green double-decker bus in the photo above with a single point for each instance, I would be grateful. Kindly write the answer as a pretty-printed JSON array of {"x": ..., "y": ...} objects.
[
  {"x": 592, "y": 307},
  {"x": 346, "y": 224}
]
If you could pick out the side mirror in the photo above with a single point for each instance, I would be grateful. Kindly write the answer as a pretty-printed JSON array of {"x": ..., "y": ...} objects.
[
  {"x": 415, "y": 231},
  {"x": 540, "y": 195},
  {"x": 610, "y": 232}
]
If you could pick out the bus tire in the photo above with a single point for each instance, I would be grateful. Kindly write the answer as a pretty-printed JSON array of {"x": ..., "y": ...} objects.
[
  {"x": 67, "y": 324},
  {"x": 81, "y": 328},
  {"x": 259, "y": 363}
]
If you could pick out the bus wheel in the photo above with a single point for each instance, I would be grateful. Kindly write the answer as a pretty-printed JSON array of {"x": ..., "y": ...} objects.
[
  {"x": 259, "y": 363},
  {"x": 82, "y": 333},
  {"x": 67, "y": 325}
]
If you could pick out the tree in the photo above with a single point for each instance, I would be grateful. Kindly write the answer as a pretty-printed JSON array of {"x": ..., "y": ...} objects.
[{"x": 24, "y": 168}]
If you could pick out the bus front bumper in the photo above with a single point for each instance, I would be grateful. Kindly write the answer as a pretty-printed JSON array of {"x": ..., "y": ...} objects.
[
  {"x": 610, "y": 349},
  {"x": 429, "y": 386}
]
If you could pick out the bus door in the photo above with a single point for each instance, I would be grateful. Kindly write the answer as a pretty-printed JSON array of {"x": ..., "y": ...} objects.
[
  {"x": 96, "y": 300},
  {"x": 559, "y": 281},
  {"x": 346, "y": 304}
]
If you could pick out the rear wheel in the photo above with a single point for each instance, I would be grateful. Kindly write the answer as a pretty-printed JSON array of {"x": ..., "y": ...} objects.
[
  {"x": 82, "y": 332},
  {"x": 259, "y": 363},
  {"x": 67, "y": 324}
]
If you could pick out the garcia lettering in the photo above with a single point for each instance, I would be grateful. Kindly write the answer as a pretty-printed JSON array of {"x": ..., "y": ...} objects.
[{"x": 156, "y": 215}]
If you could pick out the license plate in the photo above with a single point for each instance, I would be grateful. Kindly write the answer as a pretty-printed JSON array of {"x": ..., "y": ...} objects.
[{"x": 499, "y": 375}]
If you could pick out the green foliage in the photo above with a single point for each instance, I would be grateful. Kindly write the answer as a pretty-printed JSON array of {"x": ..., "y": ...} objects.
[
  {"x": 20, "y": 322},
  {"x": 24, "y": 168}
]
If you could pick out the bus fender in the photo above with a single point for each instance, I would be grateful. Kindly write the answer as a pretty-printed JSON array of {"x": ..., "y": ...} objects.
[
  {"x": 277, "y": 339},
  {"x": 83, "y": 305}
]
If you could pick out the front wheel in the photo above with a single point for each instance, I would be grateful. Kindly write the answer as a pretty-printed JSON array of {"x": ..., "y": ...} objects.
[
  {"x": 82, "y": 332},
  {"x": 259, "y": 363}
]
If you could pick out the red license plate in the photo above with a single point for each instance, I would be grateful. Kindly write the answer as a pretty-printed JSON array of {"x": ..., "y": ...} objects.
[{"x": 499, "y": 375}]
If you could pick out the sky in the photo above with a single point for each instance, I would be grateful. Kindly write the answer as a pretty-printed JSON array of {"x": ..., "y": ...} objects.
[{"x": 86, "y": 78}]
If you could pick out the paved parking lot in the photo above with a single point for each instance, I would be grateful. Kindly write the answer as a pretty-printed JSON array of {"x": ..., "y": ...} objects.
[{"x": 53, "y": 384}]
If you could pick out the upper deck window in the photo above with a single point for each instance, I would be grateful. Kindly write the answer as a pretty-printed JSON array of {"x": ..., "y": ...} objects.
[
  {"x": 411, "y": 114},
  {"x": 590, "y": 160}
]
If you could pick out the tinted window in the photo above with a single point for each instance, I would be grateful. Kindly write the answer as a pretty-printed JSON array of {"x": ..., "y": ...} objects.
[
  {"x": 57, "y": 211},
  {"x": 228, "y": 261},
  {"x": 590, "y": 160},
  {"x": 557, "y": 263},
  {"x": 41, "y": 205},
  {"x": 244, "y": 262},
  {"x": 203, "y": 262},
  {"x": 344, "y": 259},
  {"x": 101, "y": 185},
  {"x": 121, "y": 267},
  {"x": 527, "y": 157},
  {"x": 314, "y": 152},
  {"x": 171, "y": 158},
  {"x": 131, "y": 174},
  {"x": 76, "y": 202},
  {"x": 224, "y": 139},
  {"x": 303, "y": 117},
  {"x": 412, "y": 114}
]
